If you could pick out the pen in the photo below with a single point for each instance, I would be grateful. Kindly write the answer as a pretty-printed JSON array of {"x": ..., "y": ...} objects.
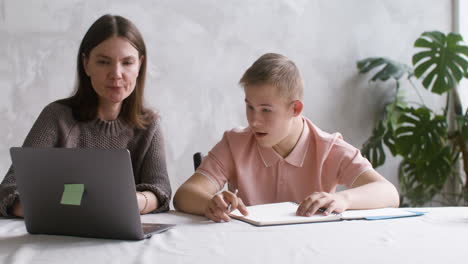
[
  {"x": 322, "y": 210},
  {"x": 229, "y": 206}
]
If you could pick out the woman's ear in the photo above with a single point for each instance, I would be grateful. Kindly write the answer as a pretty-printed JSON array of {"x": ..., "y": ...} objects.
[
  {"x": 298, "y": 106},
  {"x": 85, "y": 61},
  {"x": 142, "y": 57}
]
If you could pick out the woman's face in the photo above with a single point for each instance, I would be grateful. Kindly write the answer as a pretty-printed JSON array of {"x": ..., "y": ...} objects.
[{"x": 113, "y": 68}]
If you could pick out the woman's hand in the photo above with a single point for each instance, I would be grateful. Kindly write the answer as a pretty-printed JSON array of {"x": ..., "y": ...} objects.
[
  {"x": 217, "y": 207},
  {"x": 323, "y": 202},
  {"x": 147, "y": 202},
  {"x": 17, "y": 209}
]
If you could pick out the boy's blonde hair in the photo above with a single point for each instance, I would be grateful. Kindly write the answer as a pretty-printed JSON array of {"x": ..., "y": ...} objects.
[{"x": 277, "y": 70}]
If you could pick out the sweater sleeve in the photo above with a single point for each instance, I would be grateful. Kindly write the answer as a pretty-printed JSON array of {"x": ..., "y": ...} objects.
[
  {"x": 153, "y": 174},
  {"x": 42, "y": 134}
]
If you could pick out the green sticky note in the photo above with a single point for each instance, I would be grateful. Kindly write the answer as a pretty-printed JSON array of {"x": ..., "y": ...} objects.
[{"x": 72, "y": 194}]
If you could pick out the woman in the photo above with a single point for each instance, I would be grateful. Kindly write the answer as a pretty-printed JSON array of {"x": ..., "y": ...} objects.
[{"x": 106, "y": 111}]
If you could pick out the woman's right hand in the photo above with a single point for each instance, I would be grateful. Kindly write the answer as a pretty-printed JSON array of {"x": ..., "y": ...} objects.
[
  {"x": 17, "y": 209},
  {"x": 217, "y": 207}
]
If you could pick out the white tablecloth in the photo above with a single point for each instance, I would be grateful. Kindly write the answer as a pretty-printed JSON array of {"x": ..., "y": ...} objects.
[{"x": 439, "y": 237}]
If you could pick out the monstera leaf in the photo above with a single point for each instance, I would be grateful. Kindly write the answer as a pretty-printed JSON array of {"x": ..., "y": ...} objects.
[
  {"x": 420, "y": 134},
  {"x": 420, "y": 181},
  {"x": 384, "y": 133},
  {"x": 395, "y": 110},
  {"x": 443, "y": 62},
  {"x": 373, "y": 147},
  {"x": 463, "y": 125},
  {"x": 392, "y": 69}
]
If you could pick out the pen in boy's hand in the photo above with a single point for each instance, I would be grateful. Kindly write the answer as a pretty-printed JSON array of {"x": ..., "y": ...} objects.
[
  {"x": 229, "y": 206},
  {"x": 323, "y": 210}
]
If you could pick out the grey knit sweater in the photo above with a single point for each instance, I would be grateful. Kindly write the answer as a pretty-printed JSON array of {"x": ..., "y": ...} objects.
[{"x": 56, "y": 127}]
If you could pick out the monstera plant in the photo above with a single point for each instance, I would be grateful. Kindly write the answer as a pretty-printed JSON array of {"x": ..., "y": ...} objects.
[{"x": 431, "y": 142}]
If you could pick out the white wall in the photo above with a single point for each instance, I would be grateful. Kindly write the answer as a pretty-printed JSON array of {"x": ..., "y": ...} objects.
[{"x": 199, "y": 49}]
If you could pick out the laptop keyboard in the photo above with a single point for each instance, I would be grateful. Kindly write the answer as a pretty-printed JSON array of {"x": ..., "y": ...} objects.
[{"x": 149, "y": 227}]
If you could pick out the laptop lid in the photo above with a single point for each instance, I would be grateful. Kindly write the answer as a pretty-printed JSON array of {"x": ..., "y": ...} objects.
[{"x": 78, "y": 192}]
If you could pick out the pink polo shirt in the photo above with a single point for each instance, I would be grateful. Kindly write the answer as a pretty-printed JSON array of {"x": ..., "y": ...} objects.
[{"x": 318, "y": 163}]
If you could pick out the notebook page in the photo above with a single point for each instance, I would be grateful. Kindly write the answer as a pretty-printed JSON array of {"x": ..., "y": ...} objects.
[
  {"x": 377, "y": 213},
  {"x": 280, "y": 213}
]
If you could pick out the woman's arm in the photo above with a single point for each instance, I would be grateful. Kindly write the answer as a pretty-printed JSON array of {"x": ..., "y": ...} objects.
[
  {"x": 9, "y": 196},
  {"x": 153, "y": 180},
  {"x": 44, "y": 133},
  {"x": 147, "y": 202}
]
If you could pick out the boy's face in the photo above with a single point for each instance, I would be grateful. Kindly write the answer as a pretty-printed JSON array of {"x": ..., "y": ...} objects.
[{"x": 270, "y": 116}]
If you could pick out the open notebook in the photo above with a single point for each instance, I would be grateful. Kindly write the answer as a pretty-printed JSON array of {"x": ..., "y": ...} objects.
[{"x": 285, "y": 213}]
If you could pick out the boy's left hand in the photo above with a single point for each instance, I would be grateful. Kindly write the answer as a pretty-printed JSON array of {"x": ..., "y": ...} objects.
[{"x": 329, "y": 202}]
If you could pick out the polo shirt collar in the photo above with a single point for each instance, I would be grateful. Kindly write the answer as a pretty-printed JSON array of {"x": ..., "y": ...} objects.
[{"x": 297, "y": 155}]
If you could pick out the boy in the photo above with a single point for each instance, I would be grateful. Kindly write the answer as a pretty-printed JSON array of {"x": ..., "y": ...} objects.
[{"x": 281, "y": 156}]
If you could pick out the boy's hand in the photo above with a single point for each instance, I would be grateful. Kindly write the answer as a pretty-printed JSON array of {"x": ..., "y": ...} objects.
[
  {"x": 323, "y": 202},
  {"x": 217, "y": 208}
]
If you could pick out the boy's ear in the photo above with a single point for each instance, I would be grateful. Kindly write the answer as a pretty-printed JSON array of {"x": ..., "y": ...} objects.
[{"x": 298, "y": 106}]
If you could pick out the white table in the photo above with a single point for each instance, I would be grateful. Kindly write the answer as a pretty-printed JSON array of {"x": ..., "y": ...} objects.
[{"x": 439, "y": 237}]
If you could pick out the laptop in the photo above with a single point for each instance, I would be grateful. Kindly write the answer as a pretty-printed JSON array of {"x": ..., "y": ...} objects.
[{"x": 80, "y": 192}]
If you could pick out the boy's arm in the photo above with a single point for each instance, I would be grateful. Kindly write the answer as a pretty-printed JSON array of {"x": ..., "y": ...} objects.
[
  {"x": 198, "y": 195},
  {"x": 193, "y": 195},
  {"x": 370, "y": 190}
]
